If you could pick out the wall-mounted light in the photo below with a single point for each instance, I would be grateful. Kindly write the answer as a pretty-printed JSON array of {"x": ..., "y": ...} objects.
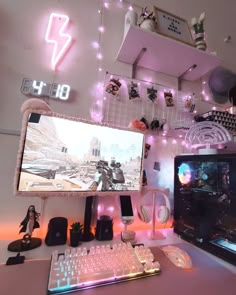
[{"x": 55, "y": 34}]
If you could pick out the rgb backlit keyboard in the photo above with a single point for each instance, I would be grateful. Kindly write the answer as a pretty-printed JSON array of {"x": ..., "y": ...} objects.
[{"x": 82, "y": 268}]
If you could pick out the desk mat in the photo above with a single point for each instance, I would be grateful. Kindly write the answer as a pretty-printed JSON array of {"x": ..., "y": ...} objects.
[{"x": 207, "y": 277}]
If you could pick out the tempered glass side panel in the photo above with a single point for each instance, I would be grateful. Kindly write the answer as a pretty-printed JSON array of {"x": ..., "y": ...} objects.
[{"x": 205, "y": 199}]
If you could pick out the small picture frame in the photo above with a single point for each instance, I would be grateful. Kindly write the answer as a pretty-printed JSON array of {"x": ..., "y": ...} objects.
[{"x": 172, "y": 26}]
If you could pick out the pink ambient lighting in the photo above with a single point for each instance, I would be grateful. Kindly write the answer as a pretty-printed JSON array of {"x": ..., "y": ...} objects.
[
  {"x": 55, "y": 34},
  {"x": 99, "y": 55},
  {"x": 95, "y": 45},
  {"x": 164, "y": 141},
  {"x": 111, "y": 209},
  {"x": 101, "y": 29}
]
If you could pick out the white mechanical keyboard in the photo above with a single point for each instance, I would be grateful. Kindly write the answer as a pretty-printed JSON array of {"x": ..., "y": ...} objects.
[{"x": 80, "y": 268}]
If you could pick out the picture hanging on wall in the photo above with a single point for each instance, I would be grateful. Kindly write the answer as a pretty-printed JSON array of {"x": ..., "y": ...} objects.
[
  {"x": 152, "y": 93},
  {"x": 133, "y": 90},
  {"x": 189, "y": 105},
  {"x": 169, "y": 99},
  {"x": 148, "y": 103},
  {"x": 113, "y": 87},
  {"x": 147, "y": 149}
]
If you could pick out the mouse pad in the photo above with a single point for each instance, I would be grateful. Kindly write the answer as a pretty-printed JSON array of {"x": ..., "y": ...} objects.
[{"x": 207, "y": 276}]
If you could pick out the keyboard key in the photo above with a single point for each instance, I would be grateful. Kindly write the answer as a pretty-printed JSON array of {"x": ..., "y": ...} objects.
[{"x": 76, "y": 269}]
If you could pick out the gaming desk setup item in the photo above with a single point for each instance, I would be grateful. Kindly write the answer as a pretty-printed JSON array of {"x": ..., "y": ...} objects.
[{"x": 204, "y": 204}]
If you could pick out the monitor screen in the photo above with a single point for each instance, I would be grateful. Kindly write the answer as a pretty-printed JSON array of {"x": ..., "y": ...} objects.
[{"x": 67, "y": 155}]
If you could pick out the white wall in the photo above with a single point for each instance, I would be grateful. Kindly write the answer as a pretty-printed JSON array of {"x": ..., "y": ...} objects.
[{"x": 24, "y": 53}]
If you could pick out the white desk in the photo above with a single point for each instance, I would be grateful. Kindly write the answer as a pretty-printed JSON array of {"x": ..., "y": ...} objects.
[
  {"x": 44, "y": 252},
  {"x": 209, "y": 275}
]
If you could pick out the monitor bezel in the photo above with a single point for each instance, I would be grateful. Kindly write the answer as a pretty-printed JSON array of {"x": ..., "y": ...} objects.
[{"x": 46, "y": 194}]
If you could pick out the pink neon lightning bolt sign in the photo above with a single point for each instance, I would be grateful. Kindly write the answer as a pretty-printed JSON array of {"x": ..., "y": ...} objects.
[{"x": 56, "y": 35}]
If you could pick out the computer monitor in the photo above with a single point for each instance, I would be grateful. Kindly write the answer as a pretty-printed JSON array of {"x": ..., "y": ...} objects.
[{"x": 68, "y": 156}]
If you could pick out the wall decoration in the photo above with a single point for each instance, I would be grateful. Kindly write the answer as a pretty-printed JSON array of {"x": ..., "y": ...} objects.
[
  {"x": 172, "y": 26},
  {"x": 157, "y": 166},
  {"x": 147, "y": 149},
  {"x": 40, "y": 88},
  {"x": 144, "y": 120},
  {"x": 169, "y": 99},
  {"x": 55, "y": 34},
  {"x": 207, "y": 134},
  {"x": 220, "y": 82},
  {"x": 113, "y": 87},
  {"x": 152, "y": 93},
  {"x": 154, "y": 125},
  {"x": 136, "y": 124},
  {"x": 198, "y": 27},
  {"x": 189, "y": 105},
  {"x": 133, "y": 90},
  {"x": 155, "y": 116},
  {"x": 148, "y": 20}
]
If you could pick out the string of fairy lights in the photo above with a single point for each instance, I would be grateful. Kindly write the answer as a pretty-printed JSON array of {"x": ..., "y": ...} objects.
[{"x": 101, "y": 98}]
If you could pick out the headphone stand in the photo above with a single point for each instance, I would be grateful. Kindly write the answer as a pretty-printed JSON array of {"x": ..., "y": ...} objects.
[{"x": 155, "y": 235}]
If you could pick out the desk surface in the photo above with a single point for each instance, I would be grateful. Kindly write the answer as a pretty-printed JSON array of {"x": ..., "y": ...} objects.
[
  {"x": 44, "y": 252},
  {"x": 209, "y": 275}
]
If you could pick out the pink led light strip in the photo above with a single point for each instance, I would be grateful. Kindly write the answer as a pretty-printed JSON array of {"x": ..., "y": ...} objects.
[{"x": 57, "y": 37}]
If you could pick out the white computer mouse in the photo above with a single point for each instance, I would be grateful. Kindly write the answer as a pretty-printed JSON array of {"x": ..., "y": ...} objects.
[{"x": 178, "y": 256}]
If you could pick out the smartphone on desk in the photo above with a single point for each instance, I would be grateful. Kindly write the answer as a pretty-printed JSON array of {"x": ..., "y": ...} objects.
[{"x": 126, "y": 209}]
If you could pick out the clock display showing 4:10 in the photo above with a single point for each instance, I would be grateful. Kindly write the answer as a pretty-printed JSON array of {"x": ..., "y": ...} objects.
[{"x": 44, "y": 89}]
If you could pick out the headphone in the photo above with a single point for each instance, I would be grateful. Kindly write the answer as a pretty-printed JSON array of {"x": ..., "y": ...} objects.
[{"x": 162, "y": 213}]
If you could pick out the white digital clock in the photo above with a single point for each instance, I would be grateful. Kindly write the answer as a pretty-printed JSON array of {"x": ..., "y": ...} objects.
[{"x": 44, "y": 89}]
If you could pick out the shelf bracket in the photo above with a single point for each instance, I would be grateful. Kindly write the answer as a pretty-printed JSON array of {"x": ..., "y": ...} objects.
[
  {"x": 181, "y": 77},
  {"x": 134, "y": 65}
]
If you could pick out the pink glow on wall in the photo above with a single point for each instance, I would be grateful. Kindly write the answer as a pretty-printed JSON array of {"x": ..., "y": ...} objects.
[
  {"x": 150, "y": 139},
  {"x": 111, "y": 209},
  {"x": 56, "y": 35},
  {"x": 164, "y": 141}
]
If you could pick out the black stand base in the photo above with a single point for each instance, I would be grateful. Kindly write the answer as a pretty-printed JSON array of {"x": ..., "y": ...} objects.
[
  {"x": 17, "y": 246},
  {"x": 87, "y": 237},
  {"x": 18, "y": 259}
]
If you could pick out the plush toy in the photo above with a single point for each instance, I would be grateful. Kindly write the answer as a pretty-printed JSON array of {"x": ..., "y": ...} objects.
[
  {"x": 198, "y": 27},
  {"x": 136, "y": 124},
  {"x": 148, "y": 20}
]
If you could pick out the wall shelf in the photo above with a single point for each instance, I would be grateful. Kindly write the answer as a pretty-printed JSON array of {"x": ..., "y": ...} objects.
[{"x": 165, "y": 55}]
